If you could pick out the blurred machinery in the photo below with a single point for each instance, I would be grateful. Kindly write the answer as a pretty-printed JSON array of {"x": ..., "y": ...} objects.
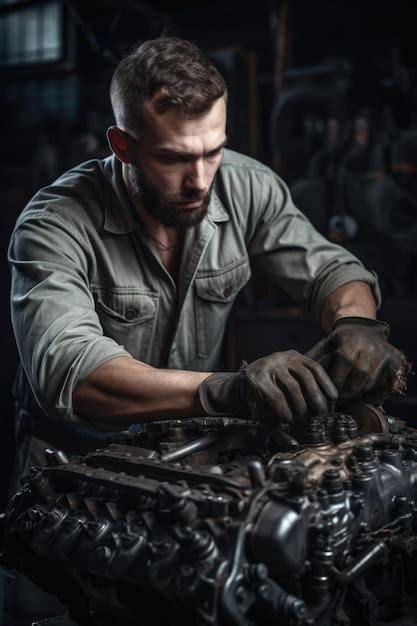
[{"x": 348, "y": 149}]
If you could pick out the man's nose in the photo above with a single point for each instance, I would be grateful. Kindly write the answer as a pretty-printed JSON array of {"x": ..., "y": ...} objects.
[{"x": 197, "y": 178}]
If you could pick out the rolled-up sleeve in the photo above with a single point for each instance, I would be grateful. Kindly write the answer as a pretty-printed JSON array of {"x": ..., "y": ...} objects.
[
  {"x": 285, "y": 245},
  {"x": 58, "y": 332}
]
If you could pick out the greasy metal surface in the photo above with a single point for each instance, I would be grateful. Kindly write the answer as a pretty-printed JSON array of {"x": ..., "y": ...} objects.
[
  {"x": 322, "y": 531},
  {"x": 318, "y": 459},
  {"x": 119, "y": 458}
]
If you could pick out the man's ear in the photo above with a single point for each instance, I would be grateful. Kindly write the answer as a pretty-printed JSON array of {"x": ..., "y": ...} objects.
[{"x": 120, "y": 144}]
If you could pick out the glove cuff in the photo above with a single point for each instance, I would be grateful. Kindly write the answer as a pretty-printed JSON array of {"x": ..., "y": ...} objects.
[
  {"x": 377, "y": 326},
  {"x": 230, "y": 394},
  {"x": 218, "y": 394},
  {"x": 250, "y": 399}
]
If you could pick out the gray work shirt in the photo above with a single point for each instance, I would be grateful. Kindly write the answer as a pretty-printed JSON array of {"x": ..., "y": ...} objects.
[{"x": 88, "y": 284}]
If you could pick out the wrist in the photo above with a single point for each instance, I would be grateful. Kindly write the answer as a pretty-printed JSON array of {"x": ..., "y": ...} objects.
[
  {"x": 218, "y": 394},
  {"x": 352, "y": 313},
  {"x": 354, "y": 299},
  {"x": 361, "y": 322}
]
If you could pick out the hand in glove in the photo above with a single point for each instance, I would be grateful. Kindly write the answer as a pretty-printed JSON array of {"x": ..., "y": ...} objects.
[
  {"x": 284, "y": 384},
  {"x": 360, "y": 360}
]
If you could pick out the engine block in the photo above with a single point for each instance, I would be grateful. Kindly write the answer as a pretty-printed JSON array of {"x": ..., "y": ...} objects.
[{"x": 222, "y": 522}]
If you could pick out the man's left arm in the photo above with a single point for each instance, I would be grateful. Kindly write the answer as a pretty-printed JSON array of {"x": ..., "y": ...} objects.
[
  {"x": 356, "y": 353},
  {"x": 353, "y": 299},
  {"x": 335, "y": 287}
]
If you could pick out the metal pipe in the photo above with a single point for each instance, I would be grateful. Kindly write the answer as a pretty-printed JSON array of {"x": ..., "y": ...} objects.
[
  {"x": 191, "y": 447},
  {"x": 370, "y": 557}
]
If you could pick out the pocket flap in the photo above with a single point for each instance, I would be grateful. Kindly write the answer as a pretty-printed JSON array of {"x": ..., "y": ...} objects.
[
  {"x": 224, "y": 285},
  {"x": 127, "y": 306}
]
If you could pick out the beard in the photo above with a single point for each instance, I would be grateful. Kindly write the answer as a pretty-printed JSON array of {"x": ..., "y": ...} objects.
[{"x": 164, "y": 208}]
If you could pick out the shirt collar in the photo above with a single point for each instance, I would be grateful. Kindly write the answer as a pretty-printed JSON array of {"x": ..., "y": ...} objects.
[
  {"x": 119, "y": 214},
  {"x": 119, "y": 217}
]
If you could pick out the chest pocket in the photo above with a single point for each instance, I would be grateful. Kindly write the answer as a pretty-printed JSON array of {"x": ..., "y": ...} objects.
[
  {"x": 128, "y": 316},
  {"x": 215, "y": 293}
]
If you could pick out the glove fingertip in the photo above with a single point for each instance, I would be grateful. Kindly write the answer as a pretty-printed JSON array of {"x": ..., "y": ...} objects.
[{"x": 333, "y": 392}]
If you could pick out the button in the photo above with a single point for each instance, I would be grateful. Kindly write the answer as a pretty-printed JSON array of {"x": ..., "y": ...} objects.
[
  {"x": 227, "y": 291},
  {"x": 130, "y": 314}
]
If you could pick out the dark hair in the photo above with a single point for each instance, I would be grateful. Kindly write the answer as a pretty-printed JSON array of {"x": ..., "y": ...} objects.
[{"x": 173, "y": 70}]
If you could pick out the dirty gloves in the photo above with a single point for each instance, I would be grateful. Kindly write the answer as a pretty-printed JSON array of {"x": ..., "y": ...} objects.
[
  {"x": 360, "y": 360},
  {"x": 283, "y": 385}
]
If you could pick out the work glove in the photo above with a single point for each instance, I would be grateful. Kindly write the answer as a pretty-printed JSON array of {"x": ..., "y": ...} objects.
[
  {"x": 282, "y": 386},
  {"x": 360, "y": 360}
]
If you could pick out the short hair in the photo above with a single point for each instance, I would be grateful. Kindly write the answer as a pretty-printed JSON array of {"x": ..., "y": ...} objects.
[{"x": 172, "y": 69}]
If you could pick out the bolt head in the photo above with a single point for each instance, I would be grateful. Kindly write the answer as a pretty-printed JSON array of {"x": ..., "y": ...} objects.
[{"x": 264, "y": 592}]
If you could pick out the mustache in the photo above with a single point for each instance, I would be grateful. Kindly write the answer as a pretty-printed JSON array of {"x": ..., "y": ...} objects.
[{"x": 188, "y": 197}]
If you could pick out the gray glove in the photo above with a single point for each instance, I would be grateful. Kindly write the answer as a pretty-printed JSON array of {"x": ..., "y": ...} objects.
[
  {"x": 282, "y": 385},
  {"x": 361, "y": 361}
]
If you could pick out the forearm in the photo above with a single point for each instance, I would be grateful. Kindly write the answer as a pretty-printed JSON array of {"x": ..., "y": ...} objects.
[
  {"x": 124, "y": 391},
  {"x": 354, "y": 299}
]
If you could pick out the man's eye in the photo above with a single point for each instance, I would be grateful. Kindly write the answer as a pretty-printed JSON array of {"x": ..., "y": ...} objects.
[
  {"x": 213, "y": 155},
  {"x": 167, "y": 159},
  {"x": 172, "y": 160}
]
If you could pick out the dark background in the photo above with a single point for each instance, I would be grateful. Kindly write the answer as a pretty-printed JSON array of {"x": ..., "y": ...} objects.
[{"x": 324, "y": 92}]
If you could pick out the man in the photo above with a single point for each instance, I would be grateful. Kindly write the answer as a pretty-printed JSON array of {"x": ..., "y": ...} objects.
[{"x": 125, "y": 269}]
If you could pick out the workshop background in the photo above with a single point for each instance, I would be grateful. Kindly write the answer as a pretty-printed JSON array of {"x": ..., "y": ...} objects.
[{"x": 324, "y": 92}]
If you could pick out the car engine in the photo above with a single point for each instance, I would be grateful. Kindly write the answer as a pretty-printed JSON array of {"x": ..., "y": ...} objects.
[{"x": 220, "y": 521}]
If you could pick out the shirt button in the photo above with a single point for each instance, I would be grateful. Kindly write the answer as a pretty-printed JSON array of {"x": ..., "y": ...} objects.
[
  {"x": 227, "y": 291},
  {"x": 130, "y": 314}
]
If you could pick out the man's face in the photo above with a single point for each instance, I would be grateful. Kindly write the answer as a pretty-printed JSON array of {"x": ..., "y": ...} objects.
[{"x": 174, "y": 163}]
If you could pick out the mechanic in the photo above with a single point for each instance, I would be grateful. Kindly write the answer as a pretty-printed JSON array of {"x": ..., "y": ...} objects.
[
  {"x": 125, "y": 269},
  {"x": 124, "y": 272}
]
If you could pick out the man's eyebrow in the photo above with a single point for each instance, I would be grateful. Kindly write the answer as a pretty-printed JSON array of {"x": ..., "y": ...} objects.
[{"x": 190, "y": 155}]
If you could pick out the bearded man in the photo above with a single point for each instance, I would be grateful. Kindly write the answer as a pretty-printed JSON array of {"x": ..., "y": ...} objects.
[{"x": 124, "y": 272}]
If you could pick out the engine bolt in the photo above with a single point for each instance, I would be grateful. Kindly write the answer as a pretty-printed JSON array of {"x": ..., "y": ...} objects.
[
  {"x": 297, "y": 481},
  {"x": 340, "y": 433},
  {"x": 240, "y": 594},
  {"x": 259, "y": 571},
  {"x": 187, "y": 570},
  {"x": 176, "y": 433},
  {"x": 264, "y": 591},
  {"x": 332, "y": 481},
  {"x": 352, "y": 427},
  {"x": 299, "y": 609},
  {"x": 365, "y": 452}
]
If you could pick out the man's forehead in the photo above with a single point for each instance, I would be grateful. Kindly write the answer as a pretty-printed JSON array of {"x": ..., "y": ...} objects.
[{"x": 174, "y": 127}]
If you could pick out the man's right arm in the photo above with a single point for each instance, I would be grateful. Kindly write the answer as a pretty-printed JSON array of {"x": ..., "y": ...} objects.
[
  {"x": 124, "y": 390},
  {"x": 283, "y": 384},
  {"x": 72, "y": 367}
]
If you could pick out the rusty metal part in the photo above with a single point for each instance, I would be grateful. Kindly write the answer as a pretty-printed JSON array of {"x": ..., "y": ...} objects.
[
  {"x": 317, "y": 460},
  {"x": 320, "y": 458},
  {"x": 369, "y": 418}
]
